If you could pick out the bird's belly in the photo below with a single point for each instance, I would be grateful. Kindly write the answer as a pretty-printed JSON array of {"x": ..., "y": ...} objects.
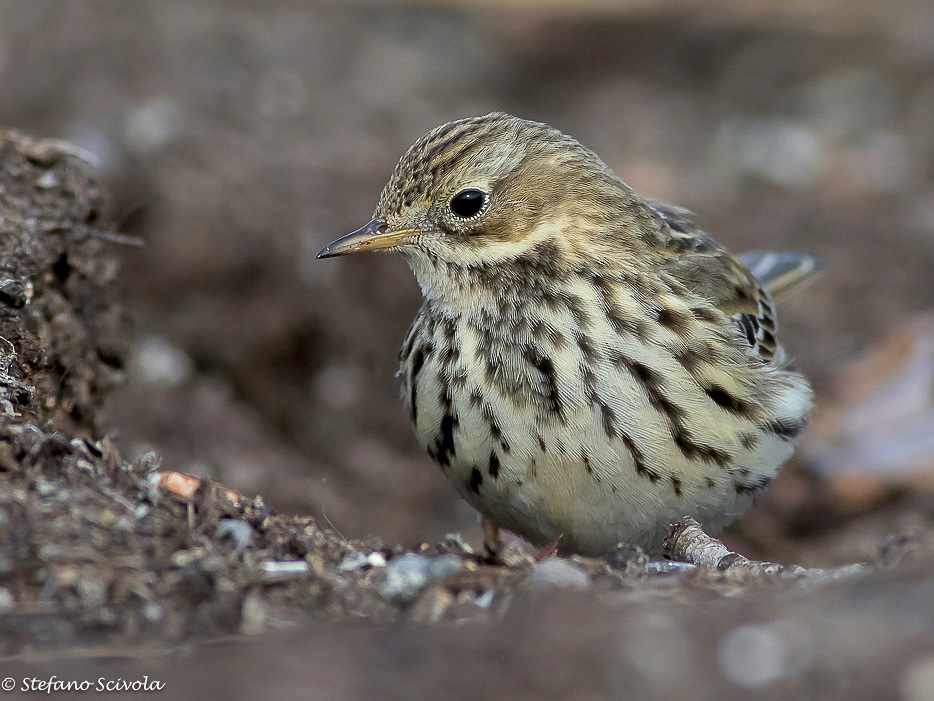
[
  {"x": 571, "y": 482},
  {"x": 600, "y": 440}
]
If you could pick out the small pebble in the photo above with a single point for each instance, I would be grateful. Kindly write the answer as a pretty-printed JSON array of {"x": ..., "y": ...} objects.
[
  {"x": 669, "y": 567},
  {"x": 408, "y": 574},
  {"x": 47, "y": 180},
  {"x": 485, "y": 600},
  {"x": 289, "y": 569},
  {"x": 560, "y": 574},
  {"x": 444, "y": 565},
  {"x": 240, "y": 531},
  {"x": 152, "y": 612},
  {"x": 358, "y": 560}
]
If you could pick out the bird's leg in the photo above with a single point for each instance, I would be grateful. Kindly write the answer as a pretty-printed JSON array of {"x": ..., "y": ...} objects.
[{"x": 492, "y": 544}]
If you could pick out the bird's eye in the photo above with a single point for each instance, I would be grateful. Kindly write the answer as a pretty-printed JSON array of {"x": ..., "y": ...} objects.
[{"x": 468, "y": 203}]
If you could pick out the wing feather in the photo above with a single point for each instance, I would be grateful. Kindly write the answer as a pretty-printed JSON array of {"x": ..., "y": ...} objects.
[{"x": 742, "y": 287}]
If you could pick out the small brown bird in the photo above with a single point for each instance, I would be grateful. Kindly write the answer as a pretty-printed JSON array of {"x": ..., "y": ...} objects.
[{"x": 587, "y": 365}]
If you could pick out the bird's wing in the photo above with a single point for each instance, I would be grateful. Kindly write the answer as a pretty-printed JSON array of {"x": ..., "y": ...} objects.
[{"x": 709, "y": 271}]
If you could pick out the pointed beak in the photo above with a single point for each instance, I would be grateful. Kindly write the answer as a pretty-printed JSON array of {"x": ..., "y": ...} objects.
[{"x": 374, "y": 235}]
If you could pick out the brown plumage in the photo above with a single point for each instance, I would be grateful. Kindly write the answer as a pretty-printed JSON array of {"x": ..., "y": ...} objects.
[{"x": 587, "y": 365}]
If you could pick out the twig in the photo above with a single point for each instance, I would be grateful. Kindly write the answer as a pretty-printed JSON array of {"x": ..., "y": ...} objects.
[{"x": 687, "y": 542}]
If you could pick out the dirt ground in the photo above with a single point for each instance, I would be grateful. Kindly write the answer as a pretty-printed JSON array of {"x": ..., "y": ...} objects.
[{"x": 164, "y": 312}]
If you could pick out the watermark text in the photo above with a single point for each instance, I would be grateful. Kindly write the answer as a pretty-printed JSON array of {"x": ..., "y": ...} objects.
[{"x": 54, "y": 684}]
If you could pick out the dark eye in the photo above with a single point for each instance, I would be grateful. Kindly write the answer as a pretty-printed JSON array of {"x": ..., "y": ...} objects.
[{"x": 467, "y": 203}]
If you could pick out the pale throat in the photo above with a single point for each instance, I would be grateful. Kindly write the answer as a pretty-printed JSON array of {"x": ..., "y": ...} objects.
[{"x": 457, "y": 282}]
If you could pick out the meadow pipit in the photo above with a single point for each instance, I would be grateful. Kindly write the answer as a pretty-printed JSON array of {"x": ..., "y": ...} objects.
[{"x": 587, "y": 365}]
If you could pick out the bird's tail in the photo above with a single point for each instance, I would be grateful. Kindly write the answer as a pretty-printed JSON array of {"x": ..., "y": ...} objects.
[{"x": 780, "y": 273}]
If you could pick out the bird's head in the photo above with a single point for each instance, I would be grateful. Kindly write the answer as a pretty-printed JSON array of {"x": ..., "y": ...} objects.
[{"x": 482, "y": 190}]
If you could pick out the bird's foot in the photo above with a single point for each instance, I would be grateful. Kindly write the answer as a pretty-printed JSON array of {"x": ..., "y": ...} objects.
[{"x": 548, "y": 551}]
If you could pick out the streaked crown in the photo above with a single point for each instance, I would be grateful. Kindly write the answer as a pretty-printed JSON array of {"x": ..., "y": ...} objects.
[{"x": 493, "y": 179}]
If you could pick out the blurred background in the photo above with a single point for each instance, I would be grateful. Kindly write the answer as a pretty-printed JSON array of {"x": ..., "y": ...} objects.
[{"x": 237, "y": 138}]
